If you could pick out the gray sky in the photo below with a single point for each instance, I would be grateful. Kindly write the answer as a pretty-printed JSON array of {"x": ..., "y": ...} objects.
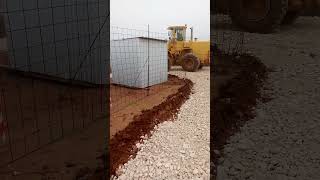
[{"x": 159, "y": 14}]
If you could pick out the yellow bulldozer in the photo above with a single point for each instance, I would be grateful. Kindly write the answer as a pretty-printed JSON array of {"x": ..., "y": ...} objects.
[
  {"x": 190, "y": 54},
  {"x": 263, "y": 16}
]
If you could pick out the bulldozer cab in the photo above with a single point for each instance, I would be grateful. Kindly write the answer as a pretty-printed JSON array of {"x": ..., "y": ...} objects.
[{"x": 177, "y": 33}]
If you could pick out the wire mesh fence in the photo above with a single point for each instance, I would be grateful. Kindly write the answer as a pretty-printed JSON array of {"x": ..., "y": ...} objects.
[
  {"x": 53, "y": 71},
  {"x": 144, "y": 92},
  {"x": 139, "y": 65}
]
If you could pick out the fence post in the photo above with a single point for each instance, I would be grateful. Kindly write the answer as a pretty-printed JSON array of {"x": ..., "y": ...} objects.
[{"x": 148, "y": 59}]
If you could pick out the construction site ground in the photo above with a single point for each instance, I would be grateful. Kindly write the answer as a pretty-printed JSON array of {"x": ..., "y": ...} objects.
[
  {"x": 128, "y": 102},
  {"x": 56, "y": 130},
  {"x": 237, "y": 85},
  {"x": 75, "y": 156},
  {"x": 63, "y": 159},
  {"x": 176, "y": 143},
  {"x": 280, "y": 138},
  {"x": 142, "y": 115}
]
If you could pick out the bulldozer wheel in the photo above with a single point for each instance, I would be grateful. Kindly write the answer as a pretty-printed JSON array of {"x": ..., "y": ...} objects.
[
  {"x": 190, "y": 62},
  {"x": 290, "y": 17},
  {"x": 262, "y": 16}
]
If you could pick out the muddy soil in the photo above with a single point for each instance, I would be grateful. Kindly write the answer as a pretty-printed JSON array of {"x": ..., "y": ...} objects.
[
  {"x": 122, "y": 145},
  {"x": 237, "y": 84},
  {"x": 128, "y": 103},
  {"x": 54, "y": 129}
]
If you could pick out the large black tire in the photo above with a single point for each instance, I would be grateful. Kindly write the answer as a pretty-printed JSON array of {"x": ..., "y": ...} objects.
[
  {"x": 190, "y": 62},
  {"x": 268, "y": 21},
  {"x": 290, "y": 17}
]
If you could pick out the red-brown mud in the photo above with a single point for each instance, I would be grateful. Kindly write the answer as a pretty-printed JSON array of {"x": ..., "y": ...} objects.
[
  {"x": 238, "y": 81},
  {"x": 129, "y": 102},
  {"x": 122, "y": 145}
]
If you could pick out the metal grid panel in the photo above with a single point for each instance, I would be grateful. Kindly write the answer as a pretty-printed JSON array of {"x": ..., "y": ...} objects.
[{"x": 53, "y": 71}]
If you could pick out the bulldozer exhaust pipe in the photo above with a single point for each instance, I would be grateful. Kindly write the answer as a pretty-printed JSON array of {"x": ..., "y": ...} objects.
[{"x": 191, "y": 33}]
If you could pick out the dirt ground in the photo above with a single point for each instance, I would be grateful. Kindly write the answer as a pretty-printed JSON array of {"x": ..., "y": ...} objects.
[
  {"x": 138, "y": 100},
  {"x": 237, "y": 82},
  {"x": 40, "y": 112},
  {"x": 74, "y": 156},
  {"x": 140, "y": 119},
  {"x": 38, "y": 109}
]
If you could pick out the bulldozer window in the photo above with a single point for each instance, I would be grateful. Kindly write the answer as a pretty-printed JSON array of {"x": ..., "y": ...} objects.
[{"x": 180, "y": 35}]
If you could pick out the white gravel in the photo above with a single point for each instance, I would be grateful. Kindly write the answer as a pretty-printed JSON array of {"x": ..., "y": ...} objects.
[
  {"x": 283, "y": 141},
  {"x": 178, "y": 149}
]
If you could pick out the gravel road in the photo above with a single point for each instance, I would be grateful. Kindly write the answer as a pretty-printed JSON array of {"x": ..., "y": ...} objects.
[
  {"x": 283, "y": 140},
  {"x": 178, "y": 149}
]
